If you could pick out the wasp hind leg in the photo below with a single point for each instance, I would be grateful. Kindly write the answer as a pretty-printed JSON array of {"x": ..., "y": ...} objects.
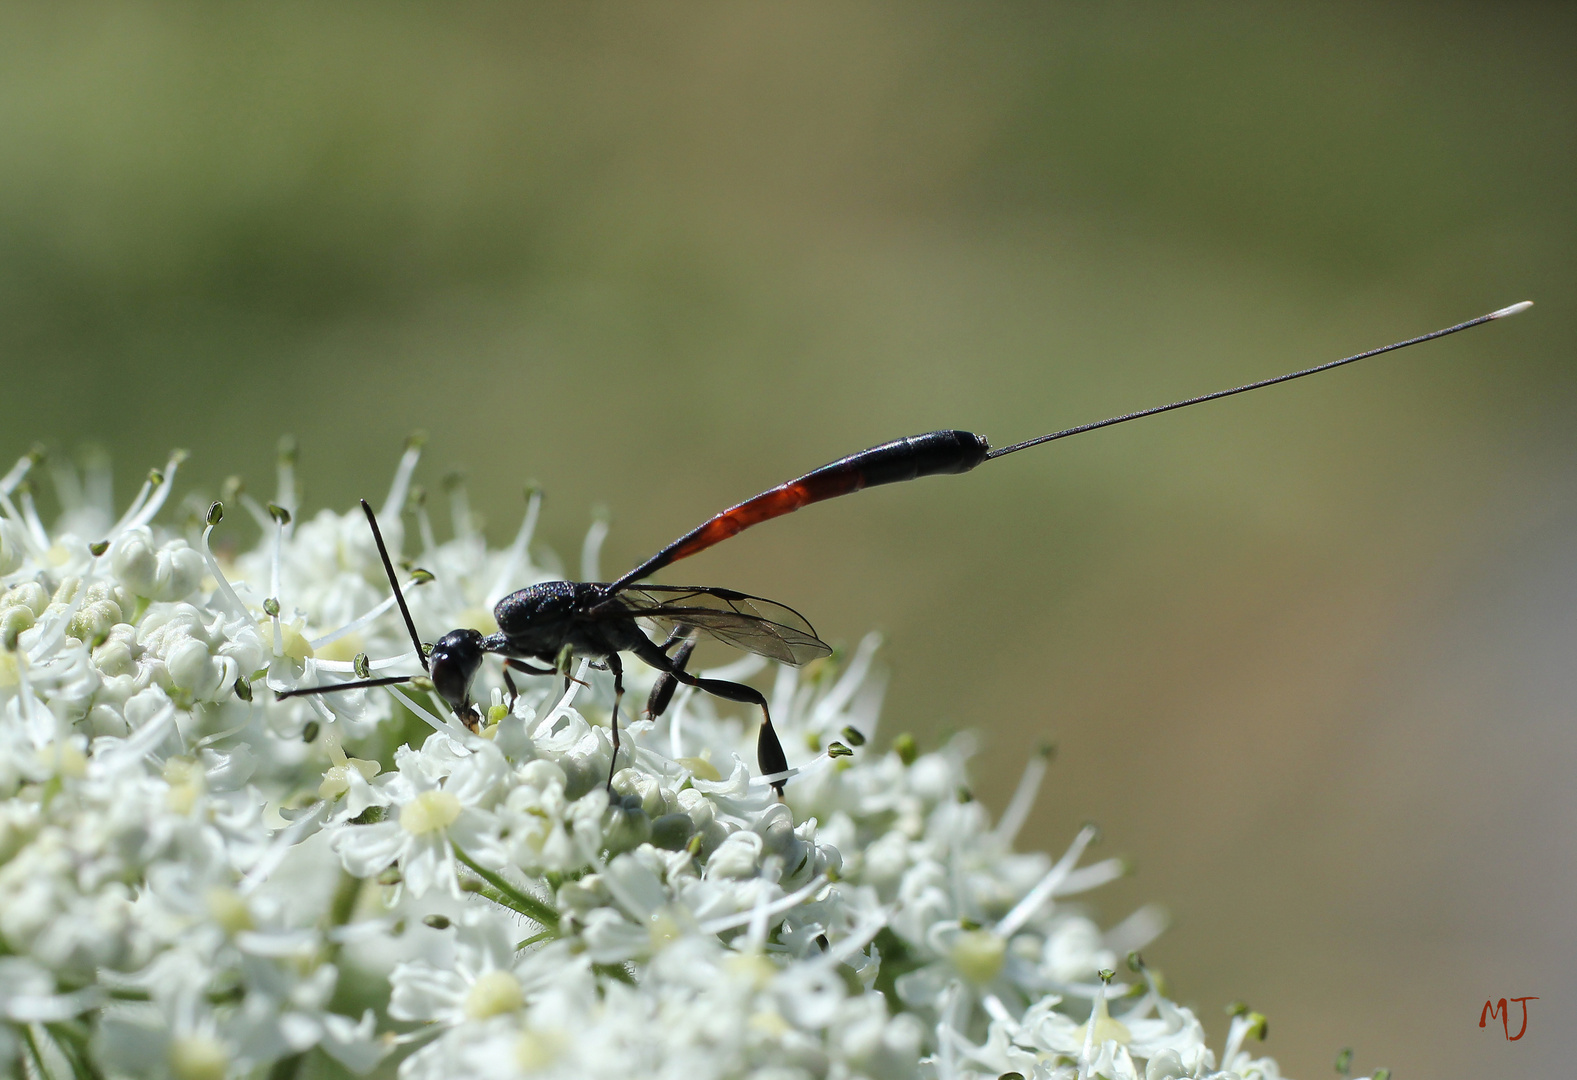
[
  {"x": 769, "y": 751},
  {"x": 663, "y": 689}
]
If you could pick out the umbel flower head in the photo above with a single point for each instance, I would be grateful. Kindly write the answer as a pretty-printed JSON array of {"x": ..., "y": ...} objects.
[{"x": 201, "y": 881}]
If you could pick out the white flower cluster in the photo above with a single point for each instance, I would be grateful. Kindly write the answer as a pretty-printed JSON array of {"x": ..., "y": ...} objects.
[{"x": 199, "y": 881}]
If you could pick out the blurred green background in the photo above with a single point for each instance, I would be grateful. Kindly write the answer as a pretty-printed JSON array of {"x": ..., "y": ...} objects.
[{"x": 1305, "y": 653}]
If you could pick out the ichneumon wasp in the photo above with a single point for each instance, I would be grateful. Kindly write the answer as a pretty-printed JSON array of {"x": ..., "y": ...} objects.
[{"x": 553, "y": 620}]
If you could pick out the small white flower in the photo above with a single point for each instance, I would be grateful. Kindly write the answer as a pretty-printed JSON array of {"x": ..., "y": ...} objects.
[
  {"x": 488, "y": 978},
  {"x": 435, "y": 802},
  {"x": 543, "y": 823}
]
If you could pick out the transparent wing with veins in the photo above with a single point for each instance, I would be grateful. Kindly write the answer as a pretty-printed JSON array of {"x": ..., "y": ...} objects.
[{"x": 746, "y": 622}]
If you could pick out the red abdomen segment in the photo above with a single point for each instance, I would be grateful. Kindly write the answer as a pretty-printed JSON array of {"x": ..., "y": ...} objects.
[{"x": 930, "y": 454}]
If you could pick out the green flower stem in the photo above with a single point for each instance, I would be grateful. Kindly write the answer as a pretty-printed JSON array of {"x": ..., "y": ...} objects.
[
  {"x": 510, "y": 896},
  {"x": 74, "y": 1054},
  {"x": 621, "y": 972},
  {"x": 32, "y": 1049},
  {"x": 73, "y": 1042},
  {"x": 346, "y": 894},
  {"x": 127, "y": 993},
  {"x": 533, "y": 939},
  {"x": 342, "y": 907},
  {"x": 287, "y": 1068}
]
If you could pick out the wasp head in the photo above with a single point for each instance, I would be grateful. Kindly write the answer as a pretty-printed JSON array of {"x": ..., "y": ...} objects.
[{"x": 455, "y": 659}]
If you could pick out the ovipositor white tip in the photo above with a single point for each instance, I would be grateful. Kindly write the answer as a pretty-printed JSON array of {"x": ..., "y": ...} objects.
[{"x": 1512, "y": 310}]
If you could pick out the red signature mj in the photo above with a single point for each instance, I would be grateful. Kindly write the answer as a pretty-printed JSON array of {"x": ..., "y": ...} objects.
[{"x": 1499, "y": 1008}]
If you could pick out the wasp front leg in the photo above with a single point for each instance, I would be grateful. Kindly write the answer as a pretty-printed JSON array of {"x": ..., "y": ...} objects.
[{"x": 618, "y": 695}]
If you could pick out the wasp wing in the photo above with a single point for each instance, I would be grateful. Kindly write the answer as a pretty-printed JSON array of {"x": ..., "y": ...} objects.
[{"x": 746, "y": 622}]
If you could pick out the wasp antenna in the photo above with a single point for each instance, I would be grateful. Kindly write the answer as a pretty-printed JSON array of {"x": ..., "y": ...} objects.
[
  {"x": 1082, "y": 428},
  {"x": 383, "y": 553},
  {"x": 359, "y": 684}
]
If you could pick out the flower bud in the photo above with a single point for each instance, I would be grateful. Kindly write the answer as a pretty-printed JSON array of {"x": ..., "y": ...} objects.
[{"x": 11, "y": 548}]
